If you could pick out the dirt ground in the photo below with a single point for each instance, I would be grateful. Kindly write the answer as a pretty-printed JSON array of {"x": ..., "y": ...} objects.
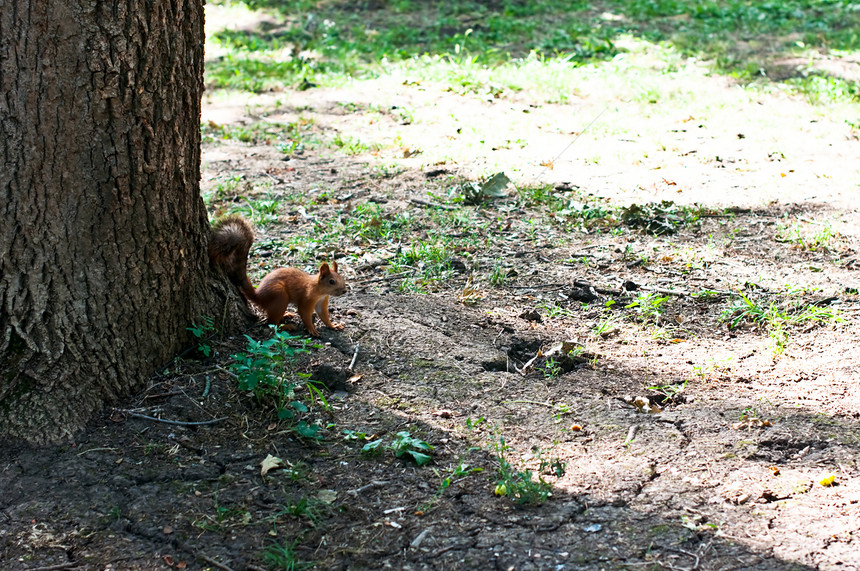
[{"x": 725, "y": 476}]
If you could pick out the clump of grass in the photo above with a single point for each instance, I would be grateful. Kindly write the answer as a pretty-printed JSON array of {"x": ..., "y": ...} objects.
[
  {"x": 264, "y": 369},
  {"x": 369, "y": 222},
  {"x": 775, "y": 319},
  {"x": 523, "y": 486},
  {"x": 260, "y": 211},
  {"x": 429, "y": 263},
  {"x": 649, "y": 306},
  {"x": 819, "y": 238}
]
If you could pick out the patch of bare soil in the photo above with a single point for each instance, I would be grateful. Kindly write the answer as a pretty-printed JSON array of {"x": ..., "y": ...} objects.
[{"x": 718, "y": 467}]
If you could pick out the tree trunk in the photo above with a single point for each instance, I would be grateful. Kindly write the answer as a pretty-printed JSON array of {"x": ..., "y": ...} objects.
[{"x": 103, "y": 259}]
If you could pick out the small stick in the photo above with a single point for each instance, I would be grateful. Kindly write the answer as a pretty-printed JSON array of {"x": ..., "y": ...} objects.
[
  {"x": 354, "y": 357},
  {"x": 374, "y": 484},
  {"x": 631, "y": 434},
  {"x": 166, "y": 421},
  {"x": 55, "y": 567},
  {"x": 231, "y": 373},
  {"x": 538, "y": 286},
  {"x": 549, "y": 404},
  {"x": 530, "y": 362},
  {"x": 96, "y": 450},
  {"x": 416, "y": 543},
  {"x": 386, "y": 278},
  {"x": 211, "y": 561},
  {"x": 420, "y": 202}
]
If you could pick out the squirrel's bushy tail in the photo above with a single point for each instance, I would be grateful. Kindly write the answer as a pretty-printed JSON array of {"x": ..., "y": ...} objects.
[{"x": 229, "y": 245}]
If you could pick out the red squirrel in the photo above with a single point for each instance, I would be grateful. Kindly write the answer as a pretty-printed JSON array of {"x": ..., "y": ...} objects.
[{"x": 229, "y": 245}]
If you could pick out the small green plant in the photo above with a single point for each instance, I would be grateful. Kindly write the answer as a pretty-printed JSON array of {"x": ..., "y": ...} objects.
[
  {"x": 311, "y": 509},
  {"x": 775, "y": 319},
  {"x": 373, "y": 448},
  {"x": 353, "y": 435},
  {"x": 350, "y": 145},
  {"x": 498, "y": 276},
  {"x": 648, "y": 305},
  {"x": 551, "y": 368},
  {"x": 706, "y": 295},
  {"x": 202, "y": 331},
  {"x": 476, "y": 193},
  {"x": 605, "y": 326},
  {"x": 473, "y": 424},
  {"x": 415, "y": 448},
  {"x": 663, "y": 218},
  {"x": 749, "y": 413},
  {"x": 283, "y": 557},
  {"x": 520, "y": 485},
  {"x": 811, "y": 241},
  {"x": 260, "y": 211},
  {"x": 403, "y": 445},
  {"x": 370, "y": 222},
  {"x": 430, "y": 263},
  {"x": 550, "y": 466},
  {"x": 553, "y": 310},
  {"x": 264, "y": 370},
  {"x": 668, "y": 391}
]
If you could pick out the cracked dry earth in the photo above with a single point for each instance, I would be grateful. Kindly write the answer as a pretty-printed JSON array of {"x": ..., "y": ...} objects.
[{"x": 725, "y": 476}]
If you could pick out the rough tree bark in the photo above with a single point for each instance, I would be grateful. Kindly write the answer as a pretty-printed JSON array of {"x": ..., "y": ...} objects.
[{"x": 103, "y": 247}]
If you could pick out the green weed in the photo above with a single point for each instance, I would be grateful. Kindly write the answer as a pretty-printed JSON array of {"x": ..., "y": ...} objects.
[
  {"x": 283, "y": 557},
  {"x": 498, "y": 275},
  {"x": 370, "y": 222},
  {"x": 415, "y": 448},
  {"x": 403, "y": 445},
  {"x": 351, "y": 145},
  {"x": 818, "y": 239},
  {"x": 201, "y": 332},
  {"x": 551, "y": 369},
  {"x": 260, "y": 211},
  {"x": 776, "y": 319},
  {"x": 649, "y": 306},
  {"x": 264, "y": 369},
  {"x": 659, "y": 218},
  {"x": 429, "y": 262},
  {"x": 310, "y": 509},
  {"x": 606, "y": 326},
  {"x": 523, "y": 486}
]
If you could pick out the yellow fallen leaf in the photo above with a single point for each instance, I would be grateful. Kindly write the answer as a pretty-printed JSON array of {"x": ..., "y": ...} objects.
[
  {"x": 270, "y": 463},
  {"x": 827, "y": 480}
]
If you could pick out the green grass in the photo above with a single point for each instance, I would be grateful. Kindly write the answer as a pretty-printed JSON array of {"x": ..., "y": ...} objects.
[
  {"x": 777, "y": 318},
  {"x": 294, "y": 135},
  {"x": 523, "y": 486},
  {"x": 324, "y": 44}
]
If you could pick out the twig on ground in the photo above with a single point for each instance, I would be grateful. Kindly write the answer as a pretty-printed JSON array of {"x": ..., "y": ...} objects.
[
  {"x": 373, "y": 484},
  {"x": 631, "y": 434},
  {"x": 354, "y": 357},
  {"x": 525, "y": 370},
  {"x": 231, "y": 373},
  {"x": 386, "y": 278},
  {"x": 96, "y": 450},
  {"x": 416, "y": 543},
  {"x": 167, "y": 421},
  {"x": 420, "y": 202},
  {"x": 55, "y": 567},
  {"x": 538, "y": 286},
  {"x": 523, "y": 401},
  {"x": 211, "y": 561}
]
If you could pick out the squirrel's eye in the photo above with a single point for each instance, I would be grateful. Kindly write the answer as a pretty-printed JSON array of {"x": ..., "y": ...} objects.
[{"x": 331, "y": 281}]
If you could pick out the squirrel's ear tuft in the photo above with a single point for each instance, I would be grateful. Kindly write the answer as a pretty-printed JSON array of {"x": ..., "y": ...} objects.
[
  {"x": 334, "y": 266},
  {"x": 324, "y": 269}
]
